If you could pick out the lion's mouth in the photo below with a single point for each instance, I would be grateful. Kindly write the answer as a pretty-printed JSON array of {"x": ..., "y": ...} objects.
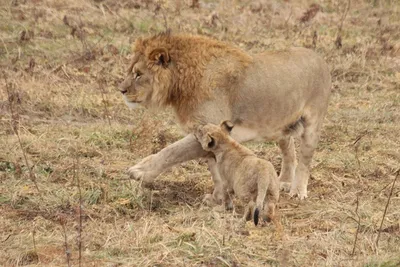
[{"x": 132, "y": 103}]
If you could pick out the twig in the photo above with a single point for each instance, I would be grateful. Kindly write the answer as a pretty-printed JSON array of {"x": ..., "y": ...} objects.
[
  {"x": 358, "y": 226},
  {"x": 287, "y": 22},
  {"x": 356, "y": 145},
  {"x": 33, "y": 239},
  {"x": 314, "y": 40},
  {"x": 165, "y": 19},
  {"x": 106, "y": 112},
  {"x": 344, "y": 15},
  {"x": 338, "y": 41},
  {"x": 5, "y": 46},
  {"x": 76, "y": 176},
  {"x": 14, "y": 123},
  {"x": 6, "y": 238},
  {"x": 386, "y": 208},
  {"x": 67, "y": 251}
]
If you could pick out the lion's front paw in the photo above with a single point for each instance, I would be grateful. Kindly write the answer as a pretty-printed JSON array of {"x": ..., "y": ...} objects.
[
  {"x": 135, "y": 173},
  {"x": 144, "y": 170}
]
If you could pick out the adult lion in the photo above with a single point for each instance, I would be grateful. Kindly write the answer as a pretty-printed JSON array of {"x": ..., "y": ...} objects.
[{"x": 268, "y": 96}]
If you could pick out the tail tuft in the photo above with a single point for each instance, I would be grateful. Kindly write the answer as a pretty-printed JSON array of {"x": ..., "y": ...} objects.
[{"x": 256, "y": 214}]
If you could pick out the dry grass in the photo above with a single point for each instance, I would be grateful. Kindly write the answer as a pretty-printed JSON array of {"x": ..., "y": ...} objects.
[{"x": 65, "y": 59}]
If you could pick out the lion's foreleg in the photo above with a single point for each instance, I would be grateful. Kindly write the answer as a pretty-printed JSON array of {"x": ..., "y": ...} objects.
[{"x": 183, "y": 150}]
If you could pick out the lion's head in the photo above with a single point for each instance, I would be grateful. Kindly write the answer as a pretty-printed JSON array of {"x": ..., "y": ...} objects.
[
  {"x": 150, "y": 76},
  {"x": 168, "y": 70},
  {"x": 212, "y": 136}
]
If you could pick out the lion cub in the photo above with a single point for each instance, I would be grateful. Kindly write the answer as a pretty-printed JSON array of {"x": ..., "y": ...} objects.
[{"x": 250, "y": 178}]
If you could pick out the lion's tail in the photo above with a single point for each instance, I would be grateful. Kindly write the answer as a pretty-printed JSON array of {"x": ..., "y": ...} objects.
[{"x": 261, "y": 194}]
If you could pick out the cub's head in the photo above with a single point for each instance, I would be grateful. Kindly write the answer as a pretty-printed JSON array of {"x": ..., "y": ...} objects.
[
  {"x": 212, "y": 137},
  {"x": 149, "y": 81}
]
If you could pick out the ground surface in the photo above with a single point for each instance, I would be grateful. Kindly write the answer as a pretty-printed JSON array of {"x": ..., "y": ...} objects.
[{"x": 60, "y": 63}]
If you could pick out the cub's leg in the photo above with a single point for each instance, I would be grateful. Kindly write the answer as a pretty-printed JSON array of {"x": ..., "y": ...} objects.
[
  {"x": 150, "y": 167},
  {"x": 271, "y": 204},
  {"x": 248, "y": 212},
  {"x": 220, "y": 192},
  {"x": 288, "y": 167},
  {"x": 309, "y": 141},
  {"x": 228, "y": 199},
  {"x": 272, "y": 198}
]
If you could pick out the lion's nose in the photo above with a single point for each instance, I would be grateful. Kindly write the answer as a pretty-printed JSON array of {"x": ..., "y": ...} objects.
[
  {"x": 123, "y": 86},
  {"x": 122, "y": 89}
]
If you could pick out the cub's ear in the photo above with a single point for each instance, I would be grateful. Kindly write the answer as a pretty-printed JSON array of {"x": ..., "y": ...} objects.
[
  {"x": 227, "y": 126},
  {"x": 160, "y": 56},
  {"x": 211, "y": 141}
]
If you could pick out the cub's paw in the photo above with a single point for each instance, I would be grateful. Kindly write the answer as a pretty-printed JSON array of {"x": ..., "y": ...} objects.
[
  {"x": 219, "y": 208},
  {"x": 208, "y": 200},
  {"x": 211, "y": 201},
  {"x": 229, "y": 205}
]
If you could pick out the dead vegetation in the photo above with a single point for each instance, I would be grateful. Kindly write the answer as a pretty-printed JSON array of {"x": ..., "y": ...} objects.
[{"x": 59, "y": 106}]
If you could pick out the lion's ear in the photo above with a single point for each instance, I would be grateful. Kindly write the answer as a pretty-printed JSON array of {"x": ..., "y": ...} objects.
[
  {"x": 227, "y": 126},
  {"x": 160, "y": 56},
  {"x": 210, "y": 141}
]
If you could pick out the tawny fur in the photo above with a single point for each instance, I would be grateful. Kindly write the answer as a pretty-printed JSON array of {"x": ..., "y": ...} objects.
[
  {"x": 274, "y": 95},
  {"x": 251, "y": 179},
  {"x": 179, "y": 85}
]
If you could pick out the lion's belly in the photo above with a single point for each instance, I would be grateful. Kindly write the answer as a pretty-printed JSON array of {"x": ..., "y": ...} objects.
[{"x": 243, "y": 134}]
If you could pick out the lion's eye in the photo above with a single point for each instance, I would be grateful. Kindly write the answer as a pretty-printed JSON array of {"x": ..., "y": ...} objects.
[{"x": 137, "y": 75}]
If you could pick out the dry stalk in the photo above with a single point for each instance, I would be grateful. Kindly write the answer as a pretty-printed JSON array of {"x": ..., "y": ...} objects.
[
  {"x": 67, "y": 251},
  {"x": 104, "y": 100},
  {"x": 358, "y": 226},
  {"x": 5, "y": 46},
  {"x": 160, "y": 8},
  {"x": 356, "y": 145},
  {"x": 287, "y": 27},
  {"x": 78, "y": 32},
  {"x": 14, "y": 125},
  {"x": 311, "y": 12},
  {"x": 78, "y": 182},
  {"x": 314, "y": 40},
  {"x": 386, "y": 208},
  {"x": 338, "y": 41},
  {"x": 33, "y": 240}
]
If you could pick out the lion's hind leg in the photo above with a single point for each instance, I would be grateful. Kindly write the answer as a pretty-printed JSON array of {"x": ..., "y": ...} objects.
[
  {"x": 288, "y": 167},
  {"x": 308, "y": 143}
]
